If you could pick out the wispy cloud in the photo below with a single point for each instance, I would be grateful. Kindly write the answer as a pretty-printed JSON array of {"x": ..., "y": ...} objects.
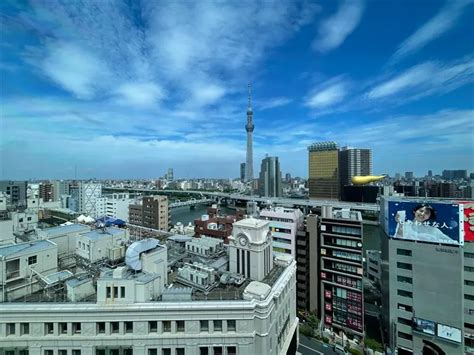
[
  {"x": 334, "y": 30},
  {"x": 425, "y": 79},
  {"x": 442, "y": 22},
  {"x": 328, "y": 94},
  {"x": 140, "y": 94},
  {"x": 273, "y": 103}
]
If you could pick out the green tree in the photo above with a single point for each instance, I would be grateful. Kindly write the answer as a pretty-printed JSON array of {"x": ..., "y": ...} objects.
[
  {"x": 373, "y": 344},
  {"x": 305, "y": 329}
]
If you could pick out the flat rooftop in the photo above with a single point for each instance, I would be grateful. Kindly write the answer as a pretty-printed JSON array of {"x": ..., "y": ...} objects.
[{"x": 25, "y": 248}]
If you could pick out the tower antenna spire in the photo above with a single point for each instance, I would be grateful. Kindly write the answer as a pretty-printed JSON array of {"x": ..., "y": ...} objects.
[{"x": 249, "y": 106}]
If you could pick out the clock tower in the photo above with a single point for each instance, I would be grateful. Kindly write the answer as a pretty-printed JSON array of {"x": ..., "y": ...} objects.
[{"x": 250, "y": 249}]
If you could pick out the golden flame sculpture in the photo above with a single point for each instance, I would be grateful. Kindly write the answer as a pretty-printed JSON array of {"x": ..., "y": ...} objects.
[{"x": 360, "y": 180}]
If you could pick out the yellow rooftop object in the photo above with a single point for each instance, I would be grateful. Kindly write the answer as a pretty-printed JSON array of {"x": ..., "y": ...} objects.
[{"x": 360, "y": 180}]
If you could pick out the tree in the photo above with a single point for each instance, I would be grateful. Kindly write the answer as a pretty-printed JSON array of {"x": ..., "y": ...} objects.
[
  {"x": 373, "y": 344},
  {"x": 306, "y": 330}
]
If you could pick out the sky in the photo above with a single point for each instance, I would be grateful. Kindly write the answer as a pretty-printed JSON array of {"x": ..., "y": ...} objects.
[{"x": 127, "y": 89}]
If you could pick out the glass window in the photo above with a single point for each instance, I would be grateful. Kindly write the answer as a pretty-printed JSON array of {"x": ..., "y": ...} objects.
[
  {"x": 128, "y": 327},
  {"x": 152, "y": 326},
  {"x": 167, "y": 326},
  {"x": 32, "y": 260},
  {"x": 166, "y": 351},
  {"x": 62, "y": 328},
  {"x": 404, "y": 266},
  {"x": 100, "y": 327},
  {"x": 404, "y": 293},
  {"x": 62, "y": 352},
  {"x": 404, "y": 321},
  {"x": 114, "y": 327},
  {"x": 204, "y": 325},
  {"x": 405, "y": 336},
  {"x": 152, "y": 351},
  {"x": 180, "y": 325},
  {"x": 10, "y": 328},
  {"x": 76, "y": 328},
  {"x": 122, "y": 291},
  {"x": 231, "y": 325},
  {"x": 217, "y": 325},
  {"x": 48, "y": 328},
  {"x": 180, "y": 351},
  {"x": 404, "y": 279},
  {"x": 203, "y": 351},
  {"x": 24, "y": 328},
  {"x": 404, "y": 252},
  {"x": 76, "y": 352}
]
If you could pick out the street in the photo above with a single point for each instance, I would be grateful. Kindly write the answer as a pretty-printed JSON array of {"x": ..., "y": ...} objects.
[{"x": 309, "y": 346}]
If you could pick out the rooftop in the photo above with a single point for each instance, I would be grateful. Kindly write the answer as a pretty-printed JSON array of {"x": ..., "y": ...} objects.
[
  {"x": 97, "y": 234},
  {"x": 251, "y": 222},
  {"x": 60, "y": 230},
  {"x": 25, "y": 248}
]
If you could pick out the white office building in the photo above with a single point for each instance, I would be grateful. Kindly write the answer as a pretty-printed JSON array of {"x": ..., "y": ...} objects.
[
  {"x": 283, "y": 223},
  {"x": 88, "y": 193},
  {"x": 133, "y": 313}
]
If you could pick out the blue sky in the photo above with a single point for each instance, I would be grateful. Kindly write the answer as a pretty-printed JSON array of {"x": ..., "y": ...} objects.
[{"x": 126, "y": 89}]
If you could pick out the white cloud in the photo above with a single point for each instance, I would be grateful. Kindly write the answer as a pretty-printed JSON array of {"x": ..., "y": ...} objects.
[
  {"x": 425, "y": 79},
  {"x": 203, "y": 94},
  {"x": 75, "y": 69},
  {"x": 442, "y": 22},
  {"x": 140, "y": 94},
  {"x": 328, "y": 94},
  {"x": 274, "y": 102},
  {"x": 334, "y": 31}
]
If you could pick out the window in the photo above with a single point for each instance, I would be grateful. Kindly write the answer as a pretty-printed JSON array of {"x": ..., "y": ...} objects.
[
  {"x": 404, "y": 266},
  {"x": 179, "y": 351},
  {"x": 404, "y": 279},
  {"x": 468, "y": 283},
  {"x": 180, "y": 325},
  {"x": 128, "y": 327},
  {"x": 100, "y": 327},
  {"x": 203, "y": 351},
  {"x": 167, "y": 326},
  {"x": 404, "y": 252},
  {"x": 108, "y": 292},
  {"x": 114, "y": 327},
  {"x": 218, "y": 350},
  {"x": 115, "y": 291},
  {"x": 217, "y": 325},
  {"x": 20, "y": 220},
  {"x": 128, "y": 351},
  {"x": 10, "y": 328},
  {"x": 469, "y": 268},
  {"x": 231, "y": 325},
  {"x": 62, "y": 352},
  {"x": 152, "y": 351},
  {"x": 152, "y": 326},
  {"x": 23, "y": 352},
  {"x": 404, "y": 321},
  {"x": 76, "y": 328},
  {"x": 405, "y": 307},
  {"x": 48, "y": 352},
  {"x": 166, "y": 351},
  {"x": 469, "y": 255},
  {"x": 32, "y": 260},
  {"x": 122, "y": 291},
  {"x": 404, "y": 293},
  {"x": 204, "y": 325},
  {"x": 469, "y": 297},
  {"x": 99, "y": 351},
  {"x": 28, "y": 219},
  {"x": 405, "y": 336},
  {"x": 48, "y": 328},
  {"x": 62, "y": 328},
  {"x": 76, "y": 352},
  {"x": 24, "y": 328},
  {"x": 231, "y": 350}
]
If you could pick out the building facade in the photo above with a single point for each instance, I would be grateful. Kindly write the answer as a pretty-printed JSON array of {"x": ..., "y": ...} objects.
[
  {"x": 150, "y": 212},
  {"x": 341, "y": 272},
  {"x": 88, "y": 193},
  {"x": 323, "y": 180},
  {"x": 283, "y": 223},
  {"x": 354, "y": 162},
  {"x": 242, "y": 171},
  {"x": 16, "y": 192},
  {"x": 270, "y": 178}
]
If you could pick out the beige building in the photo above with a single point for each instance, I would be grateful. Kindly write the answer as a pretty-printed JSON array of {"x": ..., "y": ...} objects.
[{"x": 150, "y": 212}]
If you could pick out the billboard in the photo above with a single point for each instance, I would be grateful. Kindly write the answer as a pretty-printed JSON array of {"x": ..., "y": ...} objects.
[
  {"x": 449, "y": 333},
  {"x": 424, "y": 326},
  {"x": 426, "y": 221},
  {"x": 468, "y": 220}
]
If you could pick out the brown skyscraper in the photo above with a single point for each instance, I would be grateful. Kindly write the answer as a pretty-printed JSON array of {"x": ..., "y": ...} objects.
[{"x": 323, "y": 170}]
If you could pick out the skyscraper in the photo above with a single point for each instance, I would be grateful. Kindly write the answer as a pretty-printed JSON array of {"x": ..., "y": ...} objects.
[
  {"x": 249, "y": 127},
  {"x": 269, "y": 183},
  {"x": 169, "y": 175},
  {"x": 323, "y": 170},
  {"x": 242, "y": 171},
  {"x": 354, "y": 162}
]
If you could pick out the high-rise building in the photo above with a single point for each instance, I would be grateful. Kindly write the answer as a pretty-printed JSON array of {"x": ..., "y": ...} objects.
[
  {"x": 341, "y": 271},
  {"x": 430, "y": 173},
  {"x": 284, "y": 222},
  {"x": 354, "y": 162},
  {"x": 88, "y": 194},
  {"x": 288, "y": 177},
  {"x": 249, "y": 127},
  {"x": 270, "y": 178},
  {"x": 307, "y": 270},
  {"x": 150, "y": 212},
  {"x": 60, "y": 188},
  {"x": 170, "y": 175},
  {"x": 427, "y": 277},
  {"x": 242, "y": 171},
  {"x": 454, "y": 174},
  {"x": 16, "y": 191},
  {"x": 46, "y": 191},
  {"x": 409, "y": 175},
  {"x": 323, "y": 170}
]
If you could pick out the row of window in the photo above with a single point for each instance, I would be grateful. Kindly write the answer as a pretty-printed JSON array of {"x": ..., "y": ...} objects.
[
  {"x": 346, "y": 230},
  {"x": 345, "y": 242},
  {"x": 203, "y": 350},
  {"x": 114, "y": 327},
  {"x": 346, "y": 255},
  {"x": 115, "y": 289}
]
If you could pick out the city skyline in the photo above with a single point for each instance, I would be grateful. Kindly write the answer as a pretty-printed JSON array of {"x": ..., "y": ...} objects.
[{"x": 124, "y": 91}]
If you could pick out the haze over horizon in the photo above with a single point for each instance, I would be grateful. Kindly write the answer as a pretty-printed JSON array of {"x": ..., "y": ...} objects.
[{"x": 128, "y": 89}]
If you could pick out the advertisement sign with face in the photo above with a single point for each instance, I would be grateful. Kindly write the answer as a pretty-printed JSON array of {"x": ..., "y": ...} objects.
[
  {"x": 426, "y": 221},
  {"x": 468, "y": 207},
  {"x": 424, "y": 326}
]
